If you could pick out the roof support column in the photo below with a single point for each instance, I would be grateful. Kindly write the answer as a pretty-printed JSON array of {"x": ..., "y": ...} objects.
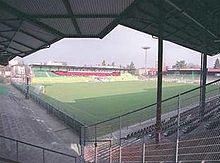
[
  {"x": 160, "y": 68},
  {"x": 203, "y": 83}
]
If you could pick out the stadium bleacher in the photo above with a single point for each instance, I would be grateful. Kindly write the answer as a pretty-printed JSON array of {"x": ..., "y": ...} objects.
[
  {"x": 45, "y": 76},
  {"x": 85, "y": 73}
]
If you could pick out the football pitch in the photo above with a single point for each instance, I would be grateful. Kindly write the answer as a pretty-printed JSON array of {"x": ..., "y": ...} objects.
[{"x": 91, "y": 102}]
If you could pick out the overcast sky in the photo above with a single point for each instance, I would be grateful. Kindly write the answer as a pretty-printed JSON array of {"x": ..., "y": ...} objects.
[{"x": 122, "y": 45}]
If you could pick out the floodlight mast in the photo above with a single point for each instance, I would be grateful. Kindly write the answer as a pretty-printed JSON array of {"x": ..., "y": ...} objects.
[{"x": 145, "y": 59}]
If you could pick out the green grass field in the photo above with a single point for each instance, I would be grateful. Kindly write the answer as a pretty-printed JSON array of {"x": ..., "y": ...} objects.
[{"x": 94, "y": 102}]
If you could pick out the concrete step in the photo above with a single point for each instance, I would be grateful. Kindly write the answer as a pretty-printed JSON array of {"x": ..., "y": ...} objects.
[{"x": 4, "y": 160}]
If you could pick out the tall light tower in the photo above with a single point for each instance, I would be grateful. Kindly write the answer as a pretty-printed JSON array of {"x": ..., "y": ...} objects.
[{"x": 145, "y": 59}]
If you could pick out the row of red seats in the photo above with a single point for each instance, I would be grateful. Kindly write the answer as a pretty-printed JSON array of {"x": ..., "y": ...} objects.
[{"x": 86, "y": 73}]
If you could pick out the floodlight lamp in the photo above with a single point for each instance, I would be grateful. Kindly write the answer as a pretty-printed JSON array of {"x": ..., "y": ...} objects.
[{"x": 146, "y": 48}]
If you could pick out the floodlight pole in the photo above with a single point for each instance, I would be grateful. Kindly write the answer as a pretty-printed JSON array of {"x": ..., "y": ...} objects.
[{"x": 145, "y": 59}]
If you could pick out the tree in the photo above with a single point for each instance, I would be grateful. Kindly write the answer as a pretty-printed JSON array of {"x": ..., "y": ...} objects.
[
  {"x": 131, "y": 66},
  {"x": 113, "y": 64},
  {"x": 103, "y": 63},
  {"x": 180, "y": 64},
  {"x": 191, "y": 65},
  {"x": 217, "y": 64}
]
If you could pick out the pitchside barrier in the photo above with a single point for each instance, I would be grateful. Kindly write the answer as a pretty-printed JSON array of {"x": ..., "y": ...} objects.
[
  {"x": 130, "y": 137},
  {"x": 52, "y": 106}
]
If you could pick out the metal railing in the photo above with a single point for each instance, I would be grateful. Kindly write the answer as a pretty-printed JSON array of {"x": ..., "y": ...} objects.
[
  {"x": 21, "y": 151},
  {"x": 125, "y": 130},
  {"x": 137, "y": 128}
]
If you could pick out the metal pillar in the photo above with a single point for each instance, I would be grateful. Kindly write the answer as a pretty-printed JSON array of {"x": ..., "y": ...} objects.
[
  {"x": 203, "y": 83},
  {"x": 82, "y": 143},
  {"x": 120, "y": 140},
  {"x": 96, "y": 150},
  {"x": 143, "y": 150},
  {"x": 27, "y": 88},
  {"x": 160, "y": 68},
  {"x": 159, "y": 88},
  {"x": 110, "y": 152},
  {"x": 178, "y": 129}
]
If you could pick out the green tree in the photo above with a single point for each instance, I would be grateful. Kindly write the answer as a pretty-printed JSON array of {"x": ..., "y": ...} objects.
[
  {"x": 180, "y": 64},
  {"x": 132, "y": 66},
  {"x": 217, "y": 64},
  {"x": 103, "y": 63}
]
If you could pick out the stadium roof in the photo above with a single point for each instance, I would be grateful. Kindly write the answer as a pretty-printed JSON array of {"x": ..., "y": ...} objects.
[
  {"x": 27, "y": 26},
  {"x": 30, "y": 25},
  {"x": 189, "y": 23}
]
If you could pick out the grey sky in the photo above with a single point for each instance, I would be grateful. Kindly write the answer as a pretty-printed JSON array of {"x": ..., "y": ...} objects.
[{"x": 121, "y": 46}]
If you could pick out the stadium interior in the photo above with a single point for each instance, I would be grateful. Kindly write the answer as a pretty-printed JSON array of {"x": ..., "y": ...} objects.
[{"x": 176, "y": 126}]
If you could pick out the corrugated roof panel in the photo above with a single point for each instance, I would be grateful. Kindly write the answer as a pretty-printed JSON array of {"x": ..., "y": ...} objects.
[
  {"x": 38, "y": 6},
  {"x": 22, "y": 55},
  {"x": 141, "y": 23},
  {"x": 4, "y": 44},
  {"x": 13, "y": 51},
  {"x": 63, "y": 25},
  {"x": 14, "y": 23},
  {"x": 36, "y": 31},
  {"x": 2, "y": 39},
  {"x": 7, "y": 34},
  {"x": 6, "y": 15},
  {"x": 4, "y": 27},
  {"x": 19, "y": 46},
  {"x": 93, "y": 26},
  {"x": 27, "y": 40},
  {"x": 99, "y": 6}
]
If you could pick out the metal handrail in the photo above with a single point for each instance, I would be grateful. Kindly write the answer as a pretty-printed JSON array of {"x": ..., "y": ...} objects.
[{"x": 36, "y": 146}]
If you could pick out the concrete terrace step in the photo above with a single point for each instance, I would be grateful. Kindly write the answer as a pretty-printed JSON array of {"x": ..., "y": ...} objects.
[{"x": 4, "y": 160}]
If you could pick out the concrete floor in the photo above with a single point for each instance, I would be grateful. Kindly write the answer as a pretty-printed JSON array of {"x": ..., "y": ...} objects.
[{"x": 24, "y": 120}]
